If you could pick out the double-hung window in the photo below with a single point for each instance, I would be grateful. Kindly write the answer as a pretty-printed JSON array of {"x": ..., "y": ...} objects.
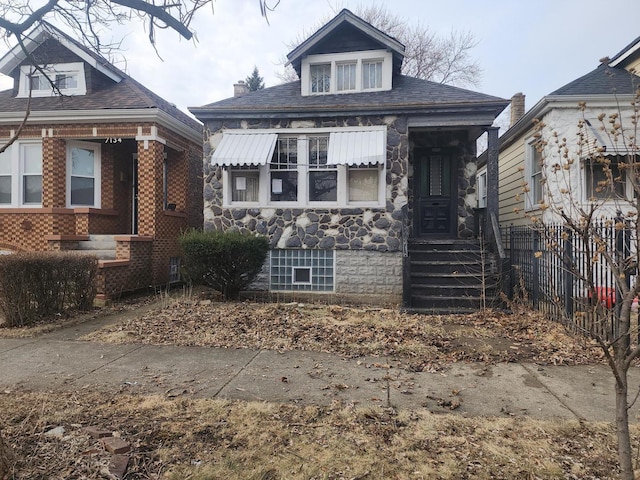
[
  {"x": 245, "y": 184},
  {"x": 323, "y": 178},
  {"x": 533, "y": 176},
  {"x": 371, "y": 75},
  {"x": 83, "y": 174},
  {"x": 31, "y": 165},
  {"x": 346, "y": 76},
  {"x": 284, "y": 170},
  {"x": 21, "y": 174},
  {"x": 605, "y": 179}
]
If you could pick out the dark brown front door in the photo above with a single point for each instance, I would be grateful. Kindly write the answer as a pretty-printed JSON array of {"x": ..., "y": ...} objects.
[{"x": 435, "y": 194}]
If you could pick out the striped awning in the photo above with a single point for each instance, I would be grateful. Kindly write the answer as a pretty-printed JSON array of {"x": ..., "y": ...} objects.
[
  {"x": 357, "y": 148},
  {"x": 237, "y": 149}
]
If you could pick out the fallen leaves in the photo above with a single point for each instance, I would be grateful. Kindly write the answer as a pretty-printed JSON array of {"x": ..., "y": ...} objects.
[{"x": 419, "y": 342}]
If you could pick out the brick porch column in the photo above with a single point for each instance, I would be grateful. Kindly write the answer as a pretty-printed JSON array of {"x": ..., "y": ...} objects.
[
  {"x": 150, "y": 191},
  {"x": 54, "y": 173}
]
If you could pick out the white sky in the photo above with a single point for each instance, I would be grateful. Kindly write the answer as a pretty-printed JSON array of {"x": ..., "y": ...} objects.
[{"x": 532, "y": 47}]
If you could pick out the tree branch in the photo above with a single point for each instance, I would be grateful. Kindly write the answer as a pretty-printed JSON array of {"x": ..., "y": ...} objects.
[
  {"x": 156, "y": 12},
  {"x": 18, "y": 28}
]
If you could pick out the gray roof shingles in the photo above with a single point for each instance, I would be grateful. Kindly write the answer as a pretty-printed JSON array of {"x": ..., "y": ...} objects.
[
  {"x": 407, "y": 92},
  {"x": 604, "y": 80}
]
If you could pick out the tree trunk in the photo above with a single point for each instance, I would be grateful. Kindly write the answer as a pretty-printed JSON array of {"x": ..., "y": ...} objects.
[
  {"x": 622, "y": 428},
  {"x": 6, "y": 459}
]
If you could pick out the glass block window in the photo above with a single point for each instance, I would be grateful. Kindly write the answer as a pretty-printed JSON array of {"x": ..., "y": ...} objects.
[
  {"x": 174, "y": 269},
  {"x": 302, "y": 270}
]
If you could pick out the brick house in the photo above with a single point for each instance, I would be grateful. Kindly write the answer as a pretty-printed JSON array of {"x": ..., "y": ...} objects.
[
  {"x": 362, "y": 178},
  {"x": 102, "y": 165}
]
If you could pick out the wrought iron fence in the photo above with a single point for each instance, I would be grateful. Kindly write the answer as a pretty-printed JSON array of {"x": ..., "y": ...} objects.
[{"x": 567, "y": 277}]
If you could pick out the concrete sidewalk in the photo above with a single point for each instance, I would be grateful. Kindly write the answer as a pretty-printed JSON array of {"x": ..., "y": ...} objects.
[{"x": 58, "y": 361}]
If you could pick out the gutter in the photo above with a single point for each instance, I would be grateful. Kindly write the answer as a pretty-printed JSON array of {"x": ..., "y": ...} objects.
[{"x": 105, "y": 116}]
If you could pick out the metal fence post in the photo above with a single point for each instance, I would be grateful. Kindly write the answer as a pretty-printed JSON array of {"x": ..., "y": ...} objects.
[
  {"x": 568, "y": 273},
  {"x": 535, "y": 268}
]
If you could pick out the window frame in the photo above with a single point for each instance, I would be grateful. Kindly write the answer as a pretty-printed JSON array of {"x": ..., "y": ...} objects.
[
  {"x": 365, "y": 63},
  {"x": 97, "y": 172},
  {"x": 481, "y": 181},
  {"x": 353, "y": 76},
  {"x": 533, "y": 168},
  {"x": 15, "y": 155},
  {"x": 302, "y": 136},
  {"x": 624, "y": 185},
  {"x": 334, "y": 60},
  {"x": 27, "y": 72}
]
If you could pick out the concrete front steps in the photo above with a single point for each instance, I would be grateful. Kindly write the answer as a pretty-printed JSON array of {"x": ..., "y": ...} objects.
[
  {"x": 102, "y": 246},
  {"x": 451, "y": 276}
]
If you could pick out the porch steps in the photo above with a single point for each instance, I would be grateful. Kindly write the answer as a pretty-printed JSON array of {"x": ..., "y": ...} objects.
[
  {"x": 451, "y": 276},
  {"x": 102, "y": 246}
]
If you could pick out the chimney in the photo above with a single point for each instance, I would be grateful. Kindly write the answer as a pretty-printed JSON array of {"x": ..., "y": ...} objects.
[
  {"x": 517, "y": 108},
  {"x": 240, "y": 88}
]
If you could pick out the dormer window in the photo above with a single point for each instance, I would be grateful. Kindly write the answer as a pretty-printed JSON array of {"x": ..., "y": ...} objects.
[
  {"x": 346, "y": 76},
  {"x": 68, "y": 78},
  {"x": 349, "y": 72},
  {"x": 321, "y": 78},
  {"x": 371, "y": 74}
]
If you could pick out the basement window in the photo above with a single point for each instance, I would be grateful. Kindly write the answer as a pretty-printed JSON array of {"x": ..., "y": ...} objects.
[{"x": 302, "y": 270}]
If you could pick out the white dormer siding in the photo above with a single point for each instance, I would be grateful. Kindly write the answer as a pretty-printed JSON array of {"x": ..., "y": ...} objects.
[
  {"x": 351, "y": 72},
  {"x": 68, "y": 77}
]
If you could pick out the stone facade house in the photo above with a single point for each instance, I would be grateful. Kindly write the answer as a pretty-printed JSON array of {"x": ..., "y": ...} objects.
[
  {"x": 362, "y": 178},
  {"x": 572, "y": 113},
  {"x": 103, "y": 164}
]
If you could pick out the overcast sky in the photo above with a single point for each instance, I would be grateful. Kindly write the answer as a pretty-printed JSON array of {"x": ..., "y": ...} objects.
[{"x": 532, "y": 47}]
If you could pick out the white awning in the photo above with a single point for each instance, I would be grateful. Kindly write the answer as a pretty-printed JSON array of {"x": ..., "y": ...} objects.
[
  {"x": 357, "y": 147},
  {"x": 236, "y": 149},
  {"x": 599, "y": 142}
]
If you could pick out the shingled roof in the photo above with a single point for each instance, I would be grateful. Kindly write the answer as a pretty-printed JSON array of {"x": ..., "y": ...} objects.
[
  {"x": 125, "y": 94},
  {"x": 604, "y": 80},
  {"x": 409, "y": 95}
]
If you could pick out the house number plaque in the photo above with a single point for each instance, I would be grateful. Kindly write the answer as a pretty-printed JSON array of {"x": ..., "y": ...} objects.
[{"x": 113, "y": 140}]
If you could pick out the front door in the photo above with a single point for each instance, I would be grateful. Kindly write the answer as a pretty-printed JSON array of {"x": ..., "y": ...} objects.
[{"x": 435, "y": 193}]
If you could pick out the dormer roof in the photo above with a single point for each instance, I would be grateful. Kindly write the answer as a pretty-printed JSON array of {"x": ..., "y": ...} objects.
[
  {"x": 14, "y": 57},
  {"x": 353, "y": 33},
  {"x": 627, "y": 55}
]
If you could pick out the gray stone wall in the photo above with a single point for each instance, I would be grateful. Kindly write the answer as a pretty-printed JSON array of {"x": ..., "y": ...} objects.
[
  {"x": 371, "y": 229},
  {"x": 369, "y": 273}
]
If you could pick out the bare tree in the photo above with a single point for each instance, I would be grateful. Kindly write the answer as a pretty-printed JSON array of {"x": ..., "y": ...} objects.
[
  {"x": 427, "y": 55},
  {"x": 594, "y": 235}
]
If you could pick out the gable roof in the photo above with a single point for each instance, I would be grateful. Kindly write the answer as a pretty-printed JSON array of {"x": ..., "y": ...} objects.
[
  {"x": 408, "y": 95},
  {"x": 346, "y": 19},
  {"x": 121, "y": 96},
  {"x": 14, "y": 57},
  {"x": 604, "y": 80}
]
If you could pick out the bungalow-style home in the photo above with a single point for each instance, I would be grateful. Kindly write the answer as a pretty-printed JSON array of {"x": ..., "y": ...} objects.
[
  {"x": 362, "y": 178},
  {"x": 577, "y": 115},
  {"x": 100, "y": 163}
]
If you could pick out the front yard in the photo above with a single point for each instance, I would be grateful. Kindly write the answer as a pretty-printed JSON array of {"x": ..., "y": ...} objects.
[{"x": 188, "y": 438}]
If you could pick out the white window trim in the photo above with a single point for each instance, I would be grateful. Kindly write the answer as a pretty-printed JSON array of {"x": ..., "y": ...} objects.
[
  {"x": 264, "y": 192},
  {"x": 529, "y": 156},
  {"x": 97, "y": 170},
  {"x": 76, "y": 68},
  {"x": 481, "y": 182},
  {"x": 341, "y": 58},
  {"x": 17, "y": 184}
]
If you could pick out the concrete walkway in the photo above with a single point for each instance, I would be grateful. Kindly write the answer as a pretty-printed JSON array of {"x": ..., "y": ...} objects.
[{"x": 59, "y": 361}]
